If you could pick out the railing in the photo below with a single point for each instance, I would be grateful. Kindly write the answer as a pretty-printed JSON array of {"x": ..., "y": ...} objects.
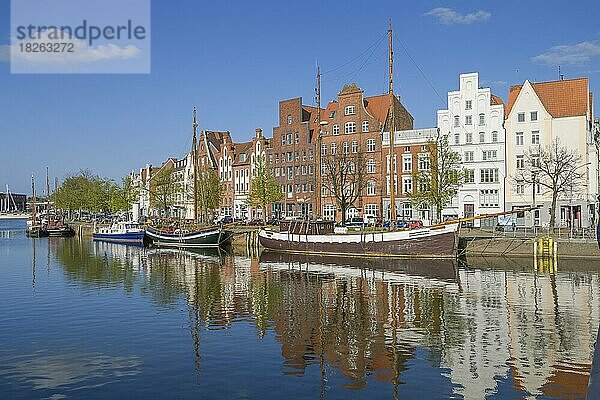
[{"x": 586, "y": 234}]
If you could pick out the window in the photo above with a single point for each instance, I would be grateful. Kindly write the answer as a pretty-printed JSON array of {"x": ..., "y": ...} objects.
[
  {"x": 276, "y": 158},
  {"x": 297, "y": 156},
  {"x": 346, "y": 148},
  {"x": 350, "y": 127},
  {"x": 535, "y": 137},
  {"x": 370, "y": 166},
  {"x": 481, "y": 119},
  {"x": 424, "y": 163},
  {"x": 324, "y": 191},
  {"x": 468, "y": 105},
  {"x": 407, "y": 185},
  {"x": 520, "y": 188},
  {"x": 521, "y": 117},
  {"x": 297, "y": 139},
  {"x": 350, "y": 110},
  {"x": 290, "y": 156},
  {"x": 289, "y": 138},
  {"x": 282, "y": 139},
  {"x": 469, "y": 176},
  {"x": 488, "y": 198},
  {"x": 535, "y": 161},
  {"x": 469, "y": 156},
  {"x": 336, "y": 129},
  {"x": 323, "y": 149},
  {"x": 533, "y": 115},
  {"x": 289, "y": 119},
  {"x": 351, "y": 167},
  {"x": 333, "y": 147},
  {"x": 494, "y": 136},
  {"x": 372, "y": 209},
  {"x": 371, "y": 188},
  {"x": 519, "y": 138},
  {"x": 456, "y": 138},
  {"x": 407, "y": 149},
  {"x": 290, "y": 173},
  {"x": 468, "y": 137},
  {"x": 407, "y": 164},
  {"x": 310, "y": 154},
  {"x": 481, "y": 137},
  {"x": 520, "y": 162},
  {"x": 304, "y": 170},
  {"x": 355, "y": 146},
  {"x": 365, "y": 126},
  {"x": 489, "y": 175},
  {"x": 371, "y": 145},
  {"x": 303, "y": 155},
  {"x": 468, "y": 120},
  {"x": 456, "y": 121},
  {"x": 489, "y": 155}
]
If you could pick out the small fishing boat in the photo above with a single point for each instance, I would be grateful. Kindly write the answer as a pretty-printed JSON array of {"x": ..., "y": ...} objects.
[
  {"x": 123, "y": 232},
  {"x": 214, "y": 236},
  {"x": 57, "y": 227}
]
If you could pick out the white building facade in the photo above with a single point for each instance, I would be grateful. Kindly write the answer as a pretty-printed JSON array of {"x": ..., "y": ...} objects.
[
  {"x": 473, "y": 123},
  {"x": 538, "y": 114}
]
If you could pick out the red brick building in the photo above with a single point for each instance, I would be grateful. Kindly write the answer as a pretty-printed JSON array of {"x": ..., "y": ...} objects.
[{"x": 354, "y": 124}]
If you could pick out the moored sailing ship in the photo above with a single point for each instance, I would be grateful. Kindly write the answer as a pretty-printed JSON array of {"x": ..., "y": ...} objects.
[{"x": 192, "y": 236}]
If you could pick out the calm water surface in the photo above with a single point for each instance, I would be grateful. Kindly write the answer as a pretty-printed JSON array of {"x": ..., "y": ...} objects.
[{"x": 87, "y": 320}]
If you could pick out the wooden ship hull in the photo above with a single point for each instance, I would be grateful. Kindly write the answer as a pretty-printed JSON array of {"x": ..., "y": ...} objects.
[
  {"x": 211, "y": 237},
  {"x": 434, "y": 242}
]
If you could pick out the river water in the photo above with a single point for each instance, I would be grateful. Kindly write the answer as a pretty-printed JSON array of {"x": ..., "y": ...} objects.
[{"x": 87, "y": 320}]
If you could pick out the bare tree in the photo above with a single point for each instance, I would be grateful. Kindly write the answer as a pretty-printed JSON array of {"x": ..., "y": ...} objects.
[
  {"x": 556, "y": 168},
  {"x": 164, "y": 187},
  {"x": 344, "y": 177}
]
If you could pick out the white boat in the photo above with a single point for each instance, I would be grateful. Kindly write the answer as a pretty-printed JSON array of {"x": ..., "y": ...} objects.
[{"x": 124, "y": 232}]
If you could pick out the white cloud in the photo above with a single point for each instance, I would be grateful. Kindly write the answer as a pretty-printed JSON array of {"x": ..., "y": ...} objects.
[
  {"x": 579, "y": 53},
  {"x": 81, "y": 52},
  {"x": 448, "y": 16}
]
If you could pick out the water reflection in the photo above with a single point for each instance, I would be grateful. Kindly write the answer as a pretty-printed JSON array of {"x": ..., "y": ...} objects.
[
  {"x": 66, "y": 370},
  {"x": 498, "y": 328}
]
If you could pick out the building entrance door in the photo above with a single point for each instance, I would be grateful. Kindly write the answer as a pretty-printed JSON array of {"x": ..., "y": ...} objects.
[{"x": 469, "y": 212}]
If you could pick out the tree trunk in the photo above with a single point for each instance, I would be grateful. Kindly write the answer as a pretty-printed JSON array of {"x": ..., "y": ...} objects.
[
  {"x": 553, "y": 211},
  {"x": 343, "y": 215}
]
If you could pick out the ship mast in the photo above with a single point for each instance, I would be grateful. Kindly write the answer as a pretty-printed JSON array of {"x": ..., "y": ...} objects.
[
  {"x": 318, "y": 146},
  {"x": 195, "y": 127},
  {"x": 392, "y": 127},
  {"x": 33, "y": 200},
  {"x": 47, "y": 193}
]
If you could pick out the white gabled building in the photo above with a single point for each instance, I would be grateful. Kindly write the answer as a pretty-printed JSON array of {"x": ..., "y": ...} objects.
[
  {"x": 474, "y": 125},
  {"x": 538, "y": 113}
]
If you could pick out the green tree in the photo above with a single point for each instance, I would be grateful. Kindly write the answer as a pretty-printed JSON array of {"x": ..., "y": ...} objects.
[
  {"x": 164, "y": 187},
  {"x": 209, "y": 193},
  {"x": 84, "y": 191},
  {"x": 437, "y": 185},
  {"x": 264, "y": 189},
  {"x": 122, "y": 197}
]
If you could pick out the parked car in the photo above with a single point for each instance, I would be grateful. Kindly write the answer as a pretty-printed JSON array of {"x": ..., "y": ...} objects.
[
  {"x": 273, "y": 221},
  {"x": 224, "y": 219},
  {"x": 400, "y": 224},
  {"x": 355, "y": 222},
  {"x": 255, "y": 222}
]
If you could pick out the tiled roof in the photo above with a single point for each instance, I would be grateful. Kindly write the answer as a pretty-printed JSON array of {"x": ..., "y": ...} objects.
[
  {"x": 495, "y": 100},
  {"x": 378, "y": 106},
  {"x": 565, "y": 98},
  {"x": 242, "y": 148}
]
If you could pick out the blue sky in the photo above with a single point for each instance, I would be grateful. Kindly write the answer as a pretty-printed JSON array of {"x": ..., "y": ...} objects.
[{"x": 234, "y": 61}]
